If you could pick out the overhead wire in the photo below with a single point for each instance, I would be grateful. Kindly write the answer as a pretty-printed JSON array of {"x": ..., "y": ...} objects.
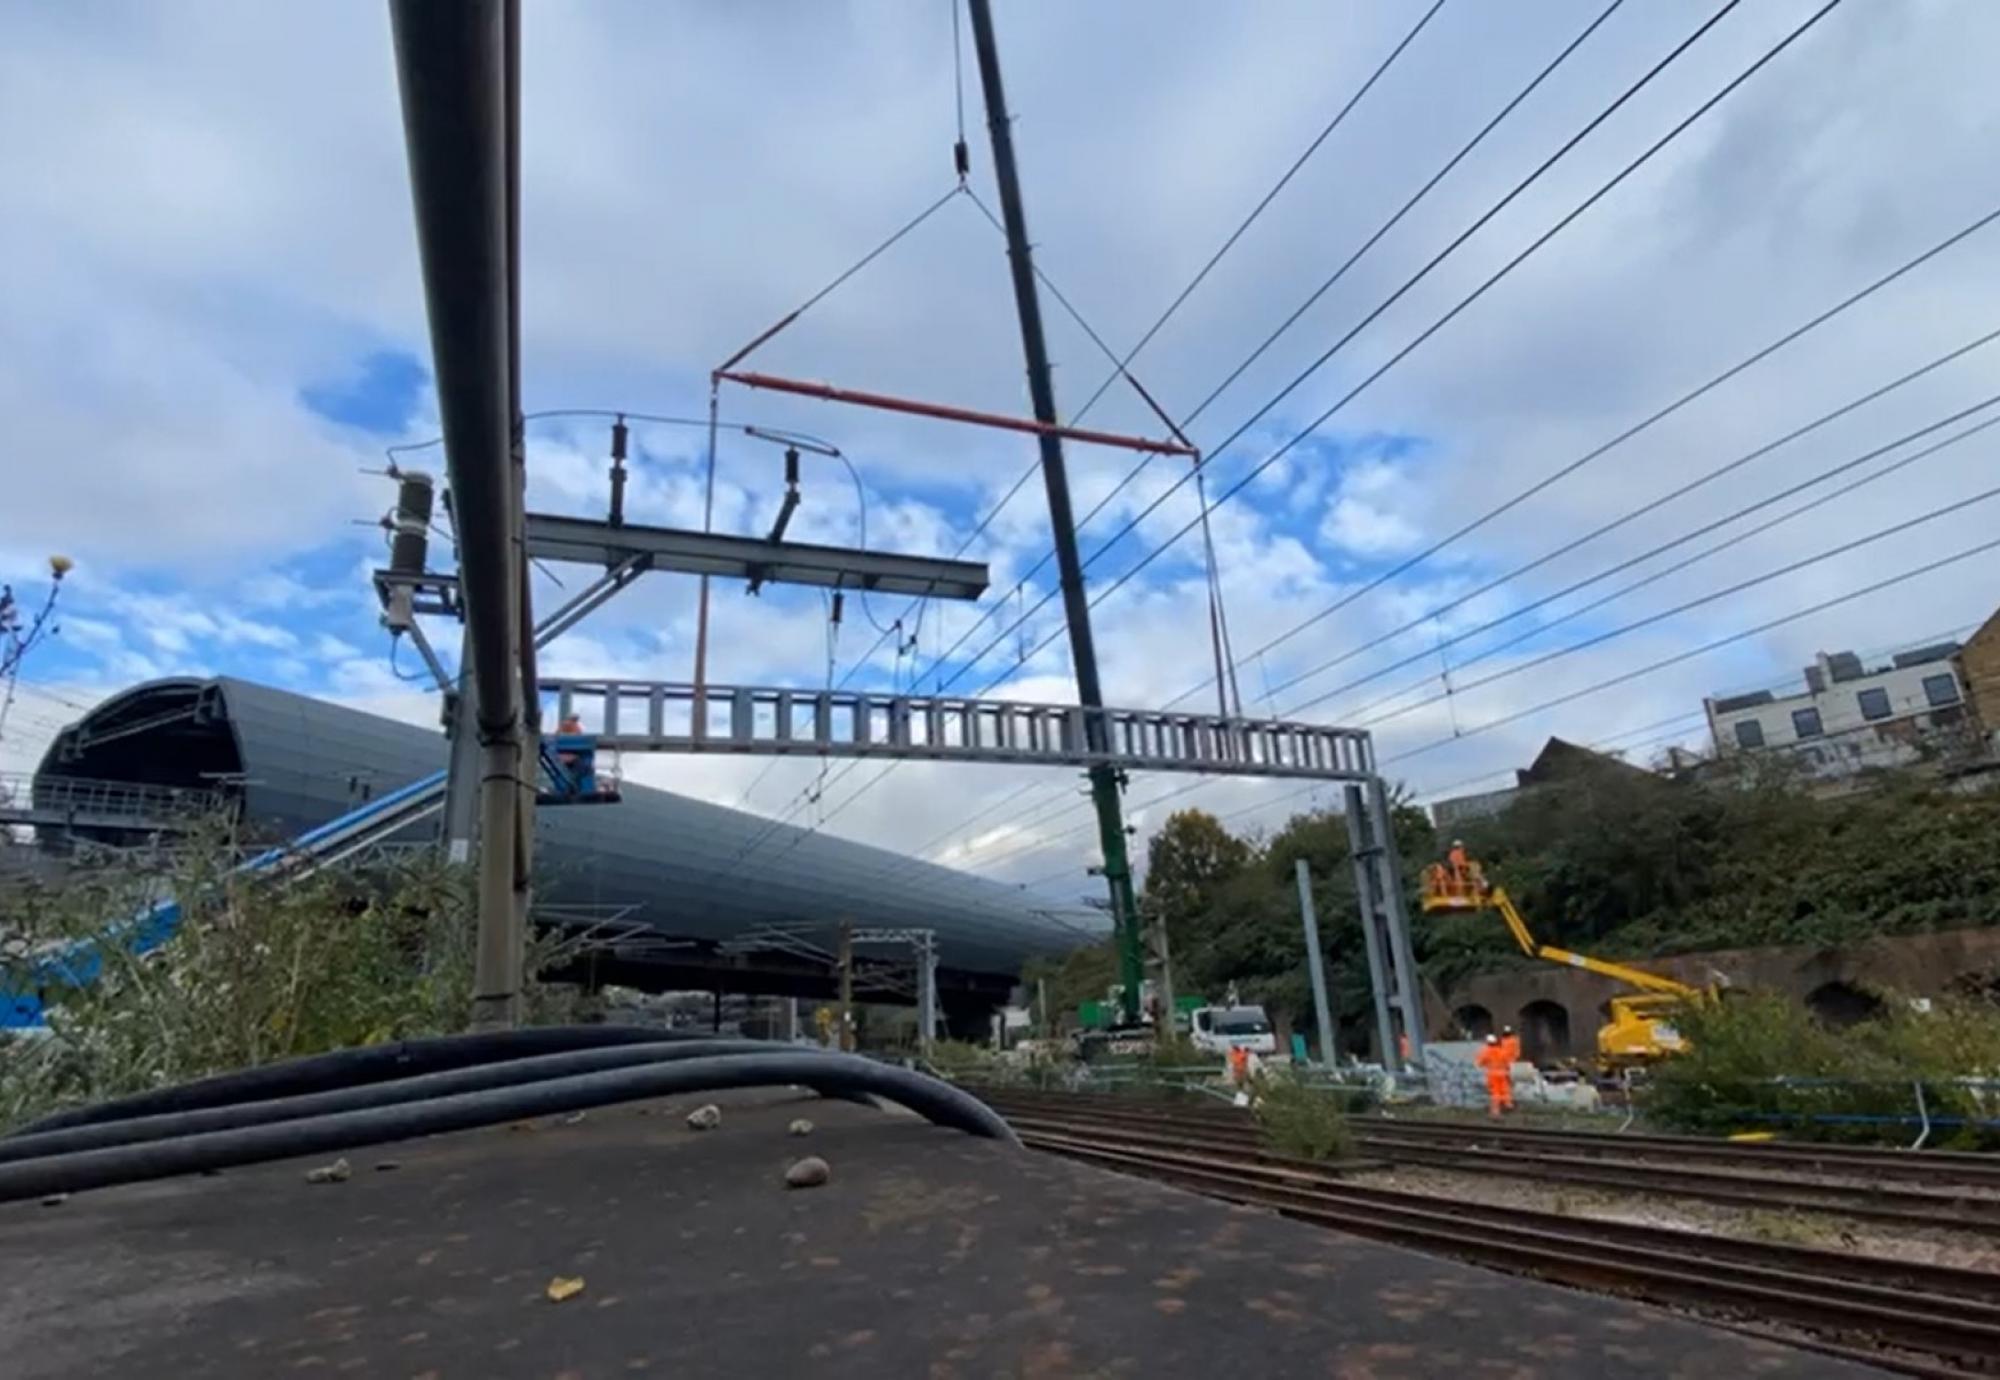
[
  {"x": 1624, "y": 678},
  {"x": 1120, "y": 368},
  {"x": 1680, "y": 491},
  {"x": 1894, "y": 467},
  {"x": 1901, "y": 577},
  {"x": 1687, "y": 606},
  {"x": 1386, "y": 226},
  {"x": 1654, "y": 577},
  {"x": 1339, "y": 116},
  {"x": 1368, "y": 380},
  {"x": 1121, "y": 365},
  {"x": 1465, "y": 302},
  {"x": 1690, "y": 718}
]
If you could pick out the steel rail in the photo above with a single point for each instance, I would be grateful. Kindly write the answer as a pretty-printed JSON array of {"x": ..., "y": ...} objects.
[
  {"x": 1850, "y": 1161},
  {"x": 1567, "y": 1250},
  {"x": 1902, "y": 1207}
]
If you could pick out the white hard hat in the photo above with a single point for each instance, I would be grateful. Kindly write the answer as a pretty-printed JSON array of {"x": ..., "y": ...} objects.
[{"x": 1492, "y": 1039}]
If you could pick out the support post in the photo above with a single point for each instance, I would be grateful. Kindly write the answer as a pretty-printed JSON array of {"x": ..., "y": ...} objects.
[
  {"x": 461, "y": 792},
  {"x": 846, "y": 962},
  {"x": 454, "y": 65},
  {"x": 1396, "y": 912},
  {"x": 1316, "y": 966},
  {"x": 1104, "y": 780},
  {"x": 1378, "y": 884}
]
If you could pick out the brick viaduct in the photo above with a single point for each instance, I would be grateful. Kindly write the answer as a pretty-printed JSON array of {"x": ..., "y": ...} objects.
[{"x": 1557, "y": 1010}]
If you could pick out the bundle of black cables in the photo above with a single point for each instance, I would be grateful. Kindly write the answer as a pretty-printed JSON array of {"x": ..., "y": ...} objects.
[{"x": 425, "y": 1087}]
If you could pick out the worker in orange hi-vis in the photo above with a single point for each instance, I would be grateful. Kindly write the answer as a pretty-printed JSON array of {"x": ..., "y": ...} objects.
[
  {"x": 1510, "y": 1043},
  {"x": 1239, "y": 1065},
  {"x": 1460, "y": 865},
  {"x": 1499, "y": 1071}
]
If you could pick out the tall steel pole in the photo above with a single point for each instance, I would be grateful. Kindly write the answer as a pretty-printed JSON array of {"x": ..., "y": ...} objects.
[
  {"x": 451, "y": 66},
  {"x": 1104, "y": 784},
  {"x": 1315, "y": 965}
]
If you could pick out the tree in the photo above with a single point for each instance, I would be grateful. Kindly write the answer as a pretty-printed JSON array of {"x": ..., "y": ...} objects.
[
  {"x": 18, "y": 637},
  {"x": 1186, "y": 862}
]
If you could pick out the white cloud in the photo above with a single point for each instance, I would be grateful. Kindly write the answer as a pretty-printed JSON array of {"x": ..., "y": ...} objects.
[{"x": 244, "y": 230}]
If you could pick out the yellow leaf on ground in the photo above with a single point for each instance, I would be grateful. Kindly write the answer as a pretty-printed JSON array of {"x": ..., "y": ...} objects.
[{"x": 565, "y": 1287}]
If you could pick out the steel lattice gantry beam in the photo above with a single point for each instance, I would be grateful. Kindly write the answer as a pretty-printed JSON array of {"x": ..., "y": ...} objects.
[
  {"x": 593, "y": 542},
  {"x": 660, "y": 716}
]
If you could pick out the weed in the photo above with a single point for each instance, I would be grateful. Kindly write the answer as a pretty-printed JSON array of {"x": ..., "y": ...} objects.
[
  {"x": 257, "y": 970},
  {"x": 1300, "y": 1120}
]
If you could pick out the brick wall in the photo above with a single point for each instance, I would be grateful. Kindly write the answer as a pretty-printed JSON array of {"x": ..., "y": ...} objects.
[{"x": 1979, "y": 669}]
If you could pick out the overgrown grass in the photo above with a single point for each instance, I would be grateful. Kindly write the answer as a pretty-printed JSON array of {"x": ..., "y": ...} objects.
[
  {"x": 1299, "y": 1120},
  {"x": 1762, "y": 1062},
  {"x": 257, "y": 971}
]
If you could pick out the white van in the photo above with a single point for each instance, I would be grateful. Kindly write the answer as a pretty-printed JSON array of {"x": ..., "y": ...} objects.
[{"x": 1219, "y": 1029}]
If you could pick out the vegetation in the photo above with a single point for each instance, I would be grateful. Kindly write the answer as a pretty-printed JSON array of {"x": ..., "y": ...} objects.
[
  {"x": 1300, "y": 1120},
  {"x": 257, "y": 972},
  {"x": 1625, "y": 863},
  {"x": 1611, "y": 860},
  {"x": 1763, "y": 1063}
]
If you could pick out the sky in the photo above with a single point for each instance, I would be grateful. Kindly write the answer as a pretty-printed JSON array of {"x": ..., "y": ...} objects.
[{"x": 215, "y": 330}]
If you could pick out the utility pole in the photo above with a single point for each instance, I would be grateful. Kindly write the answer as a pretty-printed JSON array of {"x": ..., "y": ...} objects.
[{"x": 1104, "y": 780}]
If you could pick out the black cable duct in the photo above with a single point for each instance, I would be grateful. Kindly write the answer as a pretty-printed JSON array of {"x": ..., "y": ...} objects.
[
  {"x": 348, "y": 1068},
  {"x": 842, "y": 1075},
  {"x": 508, "y": 1073}
]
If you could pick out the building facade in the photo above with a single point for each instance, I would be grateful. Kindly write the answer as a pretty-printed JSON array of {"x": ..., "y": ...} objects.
[
  {"x": 1851, "y": 717},
  {"x": 1978, "y": 666}
]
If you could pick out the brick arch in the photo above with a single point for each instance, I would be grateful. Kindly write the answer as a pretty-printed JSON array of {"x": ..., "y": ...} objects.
[
  {"x": 1473, "y": 1020},
  {"x": 1545, "y": 1031},
  {"x": 1840, "y": 1004}
]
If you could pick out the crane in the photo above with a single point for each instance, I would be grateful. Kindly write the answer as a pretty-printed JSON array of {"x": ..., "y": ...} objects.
[{"x": 1641, "y": 1027}]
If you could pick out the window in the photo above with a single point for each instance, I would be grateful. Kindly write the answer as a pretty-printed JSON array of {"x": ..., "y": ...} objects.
[
  {"x": 1749, "y": 733},
  {"x": 1941, "y": 690},
  {"x": 1243, "y": 1020},
  {"x": 1805, "y": 723},
  {"x": 1874, "y": 703}
]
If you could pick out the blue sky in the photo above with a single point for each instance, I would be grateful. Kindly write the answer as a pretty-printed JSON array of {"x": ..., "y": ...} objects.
[{"x": 212, "y": 339}]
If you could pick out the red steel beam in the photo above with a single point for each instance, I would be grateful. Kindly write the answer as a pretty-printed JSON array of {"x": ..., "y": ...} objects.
[{"x": 828, "y": 393}]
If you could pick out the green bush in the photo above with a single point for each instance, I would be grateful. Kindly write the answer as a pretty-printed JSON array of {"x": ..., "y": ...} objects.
[
  {"x": 1302, "y": 1121},
  {"x": 256, "y": 972},
  {"x": 1762, "y": 1062}
]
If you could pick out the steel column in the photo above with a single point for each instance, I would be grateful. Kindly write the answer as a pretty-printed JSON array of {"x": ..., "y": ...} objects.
[
  {"x": 1316, "y": 966},
  {"x": 452, "y": 68},
  {"x": 1380, "y": 977},
  {"x": 1396, "y": 917},
  {"x": 1104, "y": 785}
]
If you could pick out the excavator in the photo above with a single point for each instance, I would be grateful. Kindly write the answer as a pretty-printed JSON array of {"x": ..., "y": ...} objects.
[{"x": 1641, "y": 1029}]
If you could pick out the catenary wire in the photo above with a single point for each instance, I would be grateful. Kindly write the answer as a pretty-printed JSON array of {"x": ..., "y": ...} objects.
[
  {"x": 1437, "y": 325},
  {"x": 1258, "y": 210},
  {"x": 1403, "y": 210},
  {"x": 1680, "y": 491},
  {"x": 1701, "y": 601},
  {"x": 1542, "y": 629}
]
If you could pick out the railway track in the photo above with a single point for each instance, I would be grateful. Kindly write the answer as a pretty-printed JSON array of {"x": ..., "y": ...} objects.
[
  {"x": 1906, "y": 1316},
  {"x": 1913, "y": 1191}
]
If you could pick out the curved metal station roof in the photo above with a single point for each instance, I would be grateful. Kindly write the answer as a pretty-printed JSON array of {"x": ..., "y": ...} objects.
[{"x": 679, "y": 864}]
